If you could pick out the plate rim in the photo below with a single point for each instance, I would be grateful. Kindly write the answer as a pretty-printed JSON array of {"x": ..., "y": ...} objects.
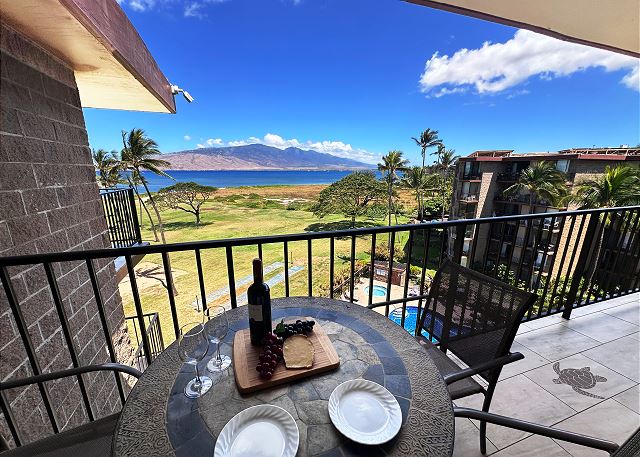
[
  {"x": 358, "y": 438},
  {"x": 217, "y": 452}
]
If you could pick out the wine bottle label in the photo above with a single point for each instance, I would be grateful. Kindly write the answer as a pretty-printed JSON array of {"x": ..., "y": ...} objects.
[{"x": 255, "y": 313}]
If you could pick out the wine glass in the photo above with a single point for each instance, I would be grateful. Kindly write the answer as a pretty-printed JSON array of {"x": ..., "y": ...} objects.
[
  {"x": 192, "y": 347},
  {"x": 216, "y": 328}
]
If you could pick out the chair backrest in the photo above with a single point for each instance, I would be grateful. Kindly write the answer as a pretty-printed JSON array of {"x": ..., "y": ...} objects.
[
  {"x": 473, "y": 315},
  {"x": 631, "y": 447}
]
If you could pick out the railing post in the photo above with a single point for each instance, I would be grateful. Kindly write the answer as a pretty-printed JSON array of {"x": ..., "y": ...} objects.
[
  {"x": 458, "y": 244},
  {"x": 134, "y": 214}
]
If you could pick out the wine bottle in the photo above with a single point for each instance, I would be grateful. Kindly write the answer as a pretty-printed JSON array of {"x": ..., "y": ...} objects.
[{"x": 259, "y": 298}]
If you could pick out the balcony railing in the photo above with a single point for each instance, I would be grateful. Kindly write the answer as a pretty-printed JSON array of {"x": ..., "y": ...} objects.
[
  {"x": 471, "y": 176},
  {"x": 469, "y": 197},
  {"x": 564, "y": 285},
  {"x": 121, "y": 216},
  {"x": 508, "y": 176},
  {"x": 154, "y": 332}
]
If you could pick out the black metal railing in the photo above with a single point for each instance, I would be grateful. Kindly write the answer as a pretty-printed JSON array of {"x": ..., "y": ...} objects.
[
  {"x": 508, "y": 176},
  {"x": 154, "y": 333},
  {"x": 121, "y": 216},
  {"x": 563, "y": 278}
]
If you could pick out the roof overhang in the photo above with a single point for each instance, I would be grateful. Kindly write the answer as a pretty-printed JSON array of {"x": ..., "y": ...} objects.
[
  {"x": 608, "y": 24},
  {"x": 112, "y": 65}
]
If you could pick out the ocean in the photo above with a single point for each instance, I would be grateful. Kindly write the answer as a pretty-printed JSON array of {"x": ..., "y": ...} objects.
[{"x": 237, "y": 178}]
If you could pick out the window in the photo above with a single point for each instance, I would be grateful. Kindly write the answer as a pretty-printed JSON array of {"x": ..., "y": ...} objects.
[{"x": 562, "y": 165}]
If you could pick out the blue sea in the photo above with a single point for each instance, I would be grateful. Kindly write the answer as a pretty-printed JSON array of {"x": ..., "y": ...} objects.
[{"x": 236, "y": 178}]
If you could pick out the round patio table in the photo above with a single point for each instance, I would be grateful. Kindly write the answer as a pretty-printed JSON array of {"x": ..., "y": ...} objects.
[{"x": 159, "y": 420}]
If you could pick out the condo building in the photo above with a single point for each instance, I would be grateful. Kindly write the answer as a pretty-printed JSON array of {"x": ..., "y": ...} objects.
[{"x": 529, "y": 250}]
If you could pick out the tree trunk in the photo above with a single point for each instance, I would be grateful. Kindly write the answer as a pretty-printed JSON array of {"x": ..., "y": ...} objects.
[
  {"x": 197, "y": 217},
  {"x": 160, "y": 226},
  {"x": 596, "y": 256},
  {"x": 143, "y": 205},
  {"x": 444, "y": 191},
  {"x": 531, "y": 207},
  {"x": 390, "y": 194},
  {"x": 353, "y": 222}
]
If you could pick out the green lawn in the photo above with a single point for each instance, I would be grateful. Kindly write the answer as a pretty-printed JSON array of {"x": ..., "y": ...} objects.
[{"x": 224, "y": 219}]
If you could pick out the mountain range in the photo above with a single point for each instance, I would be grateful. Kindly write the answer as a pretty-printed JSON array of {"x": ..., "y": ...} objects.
[{"x": 259, "y": 157}]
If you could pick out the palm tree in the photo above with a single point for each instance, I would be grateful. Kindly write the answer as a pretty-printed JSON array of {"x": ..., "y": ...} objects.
[
  {"x": 140, "y": 153},
  {"x": 135, "y": 180},
  {"x": 541, "y": 179},
  {"x": 418, "y": 180},
  {"x": 446, "y": 161},
  {"x": 618, "y": 186},
  {"x": 428, "y": 139},
  {"x": 391, "y": 164},
  {"x": 108, "y": 167}
]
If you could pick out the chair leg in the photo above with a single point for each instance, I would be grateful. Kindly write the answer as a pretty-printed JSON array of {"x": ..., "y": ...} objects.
[{"x": 483, "y": 424}]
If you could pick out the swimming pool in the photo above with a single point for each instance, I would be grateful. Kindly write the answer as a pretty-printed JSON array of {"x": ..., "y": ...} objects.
[
  {"x": 410, "y": 318},
  {"x": 378, "y": 291}
]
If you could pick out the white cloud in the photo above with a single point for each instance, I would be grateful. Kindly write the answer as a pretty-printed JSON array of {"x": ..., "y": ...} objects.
[
  {"x": 191, "y": 8},
  {"x": 139, "y": 5},
  {"x": 194, "y": 9},
  {"x": 335, "y": 148},
  {"x": 187, "y": 138},
  {"x": 211, "y": 143},
  {"x": 496, "y": 67}
]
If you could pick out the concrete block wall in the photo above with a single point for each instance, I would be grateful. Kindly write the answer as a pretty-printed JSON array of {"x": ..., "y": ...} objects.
[{"x": 49, "y": 201}]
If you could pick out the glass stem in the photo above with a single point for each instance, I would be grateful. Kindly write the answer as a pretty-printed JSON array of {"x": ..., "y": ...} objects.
[
  {"x": 198, "y": 384},
  {"x": 218, "y": 358}
]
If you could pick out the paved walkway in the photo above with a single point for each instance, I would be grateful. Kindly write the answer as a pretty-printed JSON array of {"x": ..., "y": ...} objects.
[
  {"x": 603, "y": 337},
  {"x": 245, "y": 280}
]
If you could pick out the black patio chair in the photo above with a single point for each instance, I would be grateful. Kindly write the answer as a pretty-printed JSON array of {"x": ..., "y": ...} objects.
[
  {"x": 630, "y": 448},
  {"x": 476, "y": 318},
  {"x": 92, "y": 439}
]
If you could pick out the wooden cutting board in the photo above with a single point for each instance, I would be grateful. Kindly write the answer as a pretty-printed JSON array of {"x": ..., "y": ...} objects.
[{"x": 245, "y": 359}]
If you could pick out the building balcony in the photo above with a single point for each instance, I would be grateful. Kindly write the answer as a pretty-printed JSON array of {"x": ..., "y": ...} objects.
[
  {"x": 508, "y": 177},
  {"x": 473, "y": 176},
  {"x": 121, "y": 216},
  {"x": 468, "y": 198}
]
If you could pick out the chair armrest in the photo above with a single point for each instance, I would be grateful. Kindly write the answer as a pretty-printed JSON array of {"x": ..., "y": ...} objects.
[
  {"x": 537, "y": 429},
  {"x": 69, "y": 372},
  {"x": 495, "y": 363}
]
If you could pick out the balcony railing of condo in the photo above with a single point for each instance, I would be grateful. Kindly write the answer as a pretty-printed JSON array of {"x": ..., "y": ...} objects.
[
  {"x": 421, "y": 245},
  {"x": 121, "y": 217},
  {"x": 468, "y": 197},
  {"x": 508, "y": 177}
]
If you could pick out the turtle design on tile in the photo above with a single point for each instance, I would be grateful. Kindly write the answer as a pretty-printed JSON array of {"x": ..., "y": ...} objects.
[{"x": 578, "y": 379}]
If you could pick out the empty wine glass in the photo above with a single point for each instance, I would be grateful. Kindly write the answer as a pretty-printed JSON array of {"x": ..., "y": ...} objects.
[
  {"x": 192, "y": 347},
  {"x": 216, "y": 328}
]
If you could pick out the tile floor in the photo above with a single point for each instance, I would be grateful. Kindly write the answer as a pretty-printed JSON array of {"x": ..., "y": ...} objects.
[{"x": 603, "y": 337}]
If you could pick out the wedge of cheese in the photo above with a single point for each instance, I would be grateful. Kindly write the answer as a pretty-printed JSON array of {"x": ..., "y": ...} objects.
[{"x": 298, "y": 352}]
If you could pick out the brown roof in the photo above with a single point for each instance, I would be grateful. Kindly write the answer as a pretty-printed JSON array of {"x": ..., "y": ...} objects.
[{"x": 608, "y": 154}]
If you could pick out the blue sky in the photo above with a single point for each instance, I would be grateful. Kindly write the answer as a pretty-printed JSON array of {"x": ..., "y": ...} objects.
[{"x": 348, "y": 77}]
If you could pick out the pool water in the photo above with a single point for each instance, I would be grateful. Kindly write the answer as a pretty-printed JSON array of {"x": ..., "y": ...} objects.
[
  {"x": 378, "y": 291},
  {"x": 410, "y": 318}
]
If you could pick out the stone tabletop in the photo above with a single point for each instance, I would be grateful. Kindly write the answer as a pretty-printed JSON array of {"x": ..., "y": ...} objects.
[{"x": 159, "y": 420}]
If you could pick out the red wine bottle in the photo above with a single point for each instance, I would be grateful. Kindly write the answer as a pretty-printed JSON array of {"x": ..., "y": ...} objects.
[{"x": 259, "y": 298}]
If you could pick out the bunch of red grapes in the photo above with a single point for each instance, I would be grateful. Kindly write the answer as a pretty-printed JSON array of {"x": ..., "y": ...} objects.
[{"x": 270, "y": 356}]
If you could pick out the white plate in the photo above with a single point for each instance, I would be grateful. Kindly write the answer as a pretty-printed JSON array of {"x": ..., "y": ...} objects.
[
  {"x": 259, "y": 431},
  {"x": 365, "y": 412}
]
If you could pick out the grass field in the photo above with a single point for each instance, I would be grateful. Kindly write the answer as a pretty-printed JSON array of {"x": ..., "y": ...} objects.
[{"x": 245, "y": 212}]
